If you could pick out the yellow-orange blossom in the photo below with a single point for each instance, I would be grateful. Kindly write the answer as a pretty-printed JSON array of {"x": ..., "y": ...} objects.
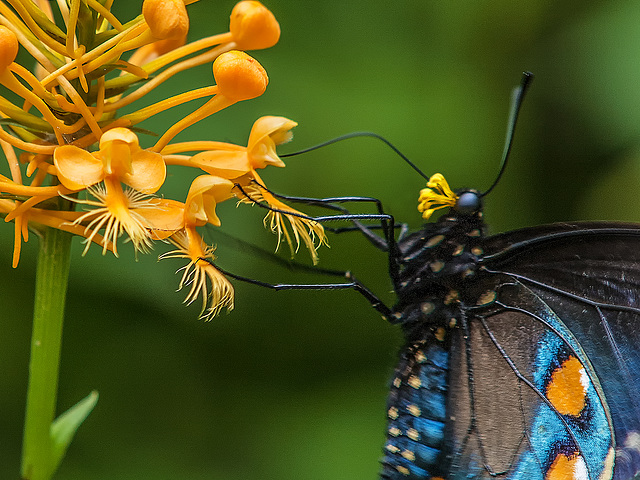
[{"x": 66, "y": 134}]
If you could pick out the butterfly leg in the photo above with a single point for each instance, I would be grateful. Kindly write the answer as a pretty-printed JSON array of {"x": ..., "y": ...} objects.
[
  {"x": 351, "y": 283},
  {"x": 387, "y": 224}
]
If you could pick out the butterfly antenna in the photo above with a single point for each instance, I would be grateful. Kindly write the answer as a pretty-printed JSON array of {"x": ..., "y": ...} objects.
[
  {"x": 360, "y": 134},
  {"x": 517, "y": 96}
]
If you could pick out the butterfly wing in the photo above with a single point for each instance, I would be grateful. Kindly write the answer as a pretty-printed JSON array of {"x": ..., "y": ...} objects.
[{"x": 548, "y": 363}]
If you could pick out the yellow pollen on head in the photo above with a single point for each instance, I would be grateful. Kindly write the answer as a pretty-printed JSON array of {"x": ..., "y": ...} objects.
[
  {"x": 451, "y": 297},
  {"x": 437, "y": 195},
  {"x": 567, "y": 388}
]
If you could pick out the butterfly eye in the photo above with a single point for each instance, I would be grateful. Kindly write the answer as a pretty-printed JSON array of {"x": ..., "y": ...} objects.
[{"x": 468, "y": 203}]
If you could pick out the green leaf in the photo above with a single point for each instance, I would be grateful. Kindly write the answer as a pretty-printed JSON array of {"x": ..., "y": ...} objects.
[{"x": 65, "y": 426}]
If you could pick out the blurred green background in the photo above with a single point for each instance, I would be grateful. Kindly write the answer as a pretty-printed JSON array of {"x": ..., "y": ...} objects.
[{"x": 292, "y": 385}]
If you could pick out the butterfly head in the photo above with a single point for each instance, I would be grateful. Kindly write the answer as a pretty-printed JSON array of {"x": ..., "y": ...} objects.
[
  {"x": 439, "y": 195},
  {"x": 466, "y": 203}
]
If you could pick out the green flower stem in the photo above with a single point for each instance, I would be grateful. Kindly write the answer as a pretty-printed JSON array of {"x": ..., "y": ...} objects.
[{"x": 51, "y": 289}]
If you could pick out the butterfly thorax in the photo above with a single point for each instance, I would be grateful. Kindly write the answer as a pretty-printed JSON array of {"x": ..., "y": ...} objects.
[{"x": 436, "y": 264}]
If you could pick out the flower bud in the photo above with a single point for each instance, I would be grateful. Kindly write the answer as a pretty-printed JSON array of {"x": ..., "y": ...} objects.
[
  {"x": 166, "y": 18},
  {"x": 253, "y": 26},
  {"x": 239, "y": 76},
  {"x": 8, "y": 47}
]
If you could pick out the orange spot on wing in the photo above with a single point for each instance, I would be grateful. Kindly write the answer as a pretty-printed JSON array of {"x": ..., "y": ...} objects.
[
  {"x": 567, "y": 468},
  {"x": 567, "y": 390}
]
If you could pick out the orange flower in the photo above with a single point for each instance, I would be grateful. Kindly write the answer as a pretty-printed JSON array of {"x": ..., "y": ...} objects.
[
  {"x": 240, "y": 164},
  {"x": 119, "y": 160},
  {"x": 68, "y": 105},
  {"x": 205, "y": 193}
]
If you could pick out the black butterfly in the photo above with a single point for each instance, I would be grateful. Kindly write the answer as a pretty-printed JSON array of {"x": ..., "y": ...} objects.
[{"x": 522, "y": 353}]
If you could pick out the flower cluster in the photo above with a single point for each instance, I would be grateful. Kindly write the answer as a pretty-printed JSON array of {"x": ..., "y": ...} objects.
[{"x": 60, "y": 128}]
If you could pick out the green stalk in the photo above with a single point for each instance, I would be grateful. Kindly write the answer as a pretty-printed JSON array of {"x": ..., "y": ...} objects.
[{"x": 51, "y": 289}]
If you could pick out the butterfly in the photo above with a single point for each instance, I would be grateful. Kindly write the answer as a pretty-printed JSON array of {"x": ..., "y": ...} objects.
[{"x": 522, "y": 350}]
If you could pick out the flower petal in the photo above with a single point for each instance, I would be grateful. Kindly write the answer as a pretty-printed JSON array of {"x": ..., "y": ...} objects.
[
  {"x": 223, "y": 163},
  {"x": 149, "y": 172},
  {"x": 165, "y": 218},
  {"x": 77, "y": 168}
]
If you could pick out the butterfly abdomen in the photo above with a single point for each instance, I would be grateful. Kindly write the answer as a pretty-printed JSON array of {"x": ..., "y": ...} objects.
[
  {"x": 416, "y": 411},
  {"x": 435, "y": 263}
]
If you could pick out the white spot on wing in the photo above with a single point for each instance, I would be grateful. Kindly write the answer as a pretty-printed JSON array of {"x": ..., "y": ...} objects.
[
  {"x": 580, "y": 471},
  {"x": 584, "y": 379}
]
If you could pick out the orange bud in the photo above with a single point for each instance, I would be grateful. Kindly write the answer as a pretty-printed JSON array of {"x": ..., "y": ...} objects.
[
  {"x": 253, "y": 26},
  {"x": 239, "y": 76},
  {"x": 8, "y": 47},
  {"x": 166, "y": 18}
]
